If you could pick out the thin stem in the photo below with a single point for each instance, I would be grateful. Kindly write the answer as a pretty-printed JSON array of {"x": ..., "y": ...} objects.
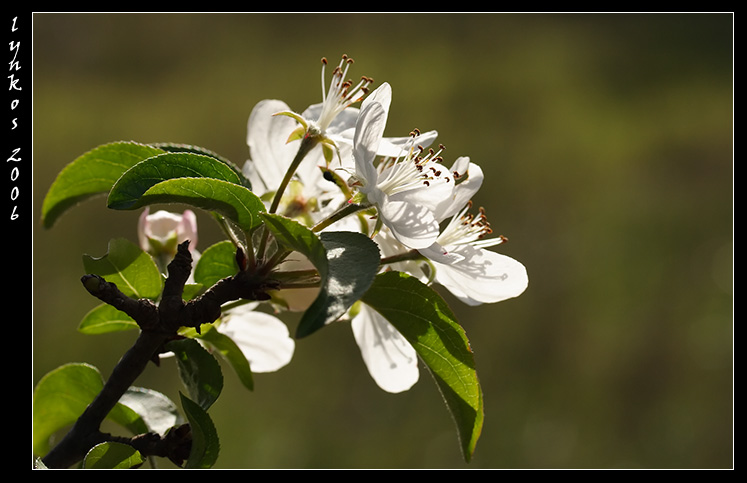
[
  {"x": 295, "y": 274},
  {"x": 307, "y": 143},
  {"x": 402, "y": 257},
  {"x": 251, "y": 260},
  {"x": 345, "y": 210},
  {"x": 278, "y": 257},
  {"x": 292, "y": 285},
  {"x": 242, "y": 240}
]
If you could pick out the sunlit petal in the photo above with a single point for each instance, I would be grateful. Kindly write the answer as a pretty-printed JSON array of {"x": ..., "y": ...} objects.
[
  {"x": 263, "y": 339},
  {"x": 483, "y": 276},
  {"x": 390, "y": 359},
  {"x": 266, "y": 137}
]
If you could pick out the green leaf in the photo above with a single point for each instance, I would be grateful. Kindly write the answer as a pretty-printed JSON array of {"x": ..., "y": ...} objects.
[
  {"x": 188, "y": 148},
  {"x": 113, "y": 455},
  {"x": 233, "y": 201},
  {"x": 346, "y": 261},
  {"x": 192, "y": 290},
  {"x": 294, "y": 236},
  {"x": 93, "y": 173},
  {"x": 105, "y": 319},
  {"x": 149, "y": 172},
  {"x": 129, "y": 267},
  {"x": 127, "y": 418},
  {"x": 60, "y": 398},
  {"x": 352, "y": 263},
  {"x": 231, "y": 352},
  {"x": 426, "y": 321},
  {"x": 199, "y": 371},
  {"x": 205, "y": 443},
  {"x": 63, "y": 394},
  {"x": 217, "y": 262},
  {"x": 157, "y": 412}
]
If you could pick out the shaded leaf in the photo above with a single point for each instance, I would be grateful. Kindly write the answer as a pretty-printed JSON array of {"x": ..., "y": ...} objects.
[
  {"x": 199, "y": 371},
  {"x": 205, "y": 443},
  {"x": 420, "y": 314},
  {"x": 352, "y": 263},
  {"x": 346, "y": 261}
]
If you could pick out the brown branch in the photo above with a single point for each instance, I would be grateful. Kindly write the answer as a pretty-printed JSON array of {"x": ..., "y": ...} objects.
[
  {"x": 174, "y": 445},
  {"x": 158, "y": 325}
]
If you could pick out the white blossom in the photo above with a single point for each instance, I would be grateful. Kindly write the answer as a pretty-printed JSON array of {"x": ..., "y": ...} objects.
[
  {"x": 263, "y": 338},
  {"x": 462, "y": 262},
  {"x": 405, "y": 189}
]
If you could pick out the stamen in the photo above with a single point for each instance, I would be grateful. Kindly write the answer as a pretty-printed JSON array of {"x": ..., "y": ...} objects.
[
  {"x": 324, "y": 65},
  {"x": 412, "y": 169},
  {"x": 467, "y": 228},
  {"x": 341, "y": 93}
]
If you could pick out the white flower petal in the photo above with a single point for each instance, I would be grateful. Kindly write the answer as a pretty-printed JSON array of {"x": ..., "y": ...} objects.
[
  {"x": 381, "y": 95},
  {"x": 437, "y": 253},
  {"x": 433, "y": 195},
  {"x": 414, "y": 226},
  {"x": 266, "y": 137},
  {"x": 390, "y": 359},
  {"x": 368, "y": 133},
  {"x": 263, "y": 339},
  {"x": 389, "y": 246},
  {"x": 342, "y": 121},
  {"x": 483, "y": 276},
  {"x": 464, "y": 191}
]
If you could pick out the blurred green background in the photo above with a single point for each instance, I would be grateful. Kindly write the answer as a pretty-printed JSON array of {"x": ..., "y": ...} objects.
[{"x": 607, "y": 142}]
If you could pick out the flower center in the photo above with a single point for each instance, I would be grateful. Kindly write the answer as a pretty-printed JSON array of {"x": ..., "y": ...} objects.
[
  {"x": 468, "y": 229},
  {"x": 415, "y": 169},
  {"x": 341, "y": 93}
]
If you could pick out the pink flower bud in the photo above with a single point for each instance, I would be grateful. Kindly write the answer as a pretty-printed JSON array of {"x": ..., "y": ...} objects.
[{"x": 161, "y": 232}]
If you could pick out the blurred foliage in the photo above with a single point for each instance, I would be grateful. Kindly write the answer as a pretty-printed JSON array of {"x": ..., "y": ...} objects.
[{"x": 607, "y": 144}]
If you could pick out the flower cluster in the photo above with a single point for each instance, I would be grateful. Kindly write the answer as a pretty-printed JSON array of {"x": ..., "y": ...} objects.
[
  {"x": 315, "y": 165},
  {"x": 423, "y": 223}
]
